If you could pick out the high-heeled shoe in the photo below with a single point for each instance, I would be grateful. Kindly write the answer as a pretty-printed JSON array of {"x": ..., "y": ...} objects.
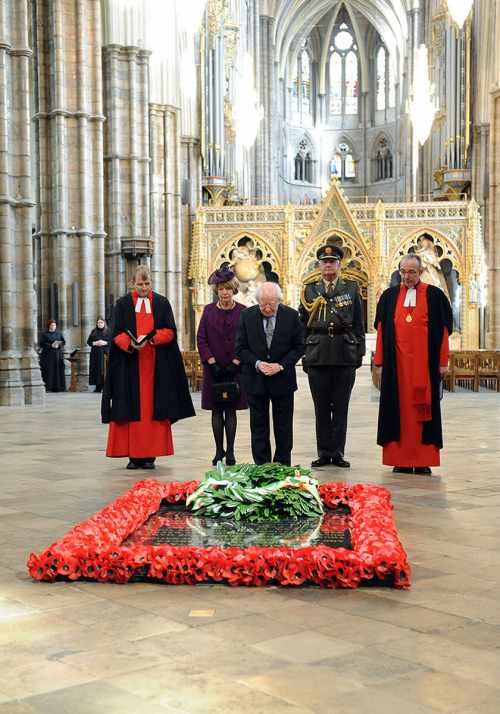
[{"x": 218, "y": 457}]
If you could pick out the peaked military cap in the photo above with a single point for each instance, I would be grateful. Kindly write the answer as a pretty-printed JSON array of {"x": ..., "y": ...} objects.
[{"x": 331, "y": 252}]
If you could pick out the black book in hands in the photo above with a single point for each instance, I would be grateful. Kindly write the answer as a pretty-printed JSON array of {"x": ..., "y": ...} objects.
[{"x": 145, "y": 338}]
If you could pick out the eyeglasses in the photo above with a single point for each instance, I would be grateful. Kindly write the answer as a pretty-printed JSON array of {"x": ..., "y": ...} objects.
[
  {"x": 269, "y": 303},
  {"x": 408, "y": 272}
]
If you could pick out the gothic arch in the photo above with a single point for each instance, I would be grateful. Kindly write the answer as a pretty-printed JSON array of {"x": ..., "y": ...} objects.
[
  {"x": 222, "y": 253},
  {"x": 355, "y": 252},
  {"x": 387, "y": 167},
  {"x": 450, "y": 250}
]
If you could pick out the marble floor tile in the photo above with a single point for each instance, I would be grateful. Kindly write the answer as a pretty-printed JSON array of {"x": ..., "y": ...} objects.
[{"x": 81, "y": 647}]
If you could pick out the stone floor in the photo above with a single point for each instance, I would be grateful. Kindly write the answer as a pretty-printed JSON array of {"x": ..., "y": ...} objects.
[{"x": 88, "y": 647}]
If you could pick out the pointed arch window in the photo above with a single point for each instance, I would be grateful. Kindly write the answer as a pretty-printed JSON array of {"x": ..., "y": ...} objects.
[
  {"x": 301, "y": 94},
  {"x": 303, "y": 163},
  {"x": 383, "y": 160},
  {"x": 381, "y": 78},
  {"x": 385, "y": 82},
  {"x": 335, "y": 83},
  {"x": 343, "y": 165},
  {"x": 343, "y": 71}
]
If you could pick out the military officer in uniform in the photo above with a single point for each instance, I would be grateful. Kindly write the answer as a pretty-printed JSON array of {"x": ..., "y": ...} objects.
[{"x": 331, "y": 313}]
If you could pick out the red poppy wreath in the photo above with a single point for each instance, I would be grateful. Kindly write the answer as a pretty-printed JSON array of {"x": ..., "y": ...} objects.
[{"x": 106, "y": 547}]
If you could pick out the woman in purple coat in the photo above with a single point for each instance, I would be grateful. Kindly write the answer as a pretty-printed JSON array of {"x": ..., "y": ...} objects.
[{"x": 216, "y": 340}]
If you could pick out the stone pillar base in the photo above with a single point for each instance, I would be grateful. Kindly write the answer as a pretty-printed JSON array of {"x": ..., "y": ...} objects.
[{"x": 20, "y": 381}]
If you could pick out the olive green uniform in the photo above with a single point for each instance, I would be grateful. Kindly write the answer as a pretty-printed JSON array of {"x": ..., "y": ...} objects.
[{"x": 335, "y": 345}]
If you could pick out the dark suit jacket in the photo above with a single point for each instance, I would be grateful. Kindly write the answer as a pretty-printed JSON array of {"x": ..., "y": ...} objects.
[{"x": 287, "y": 347}]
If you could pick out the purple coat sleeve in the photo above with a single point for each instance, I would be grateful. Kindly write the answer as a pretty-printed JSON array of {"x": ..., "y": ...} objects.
[{"x": 202, "y": 338}]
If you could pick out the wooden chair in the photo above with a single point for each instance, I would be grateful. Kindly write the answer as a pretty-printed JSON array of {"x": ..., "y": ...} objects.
[
  {"x": 187, "y": 358},
  {"x": 463, "y": 370},
  {"x": 488, "y": 369},
  {"x": 198, "y": 373}
]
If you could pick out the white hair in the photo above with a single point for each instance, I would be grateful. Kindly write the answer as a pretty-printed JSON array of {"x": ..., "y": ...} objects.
[{"x": 268, "y": 287}]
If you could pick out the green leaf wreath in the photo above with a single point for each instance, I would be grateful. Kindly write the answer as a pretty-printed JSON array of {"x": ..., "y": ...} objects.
[{"x": 269, "y": 492}]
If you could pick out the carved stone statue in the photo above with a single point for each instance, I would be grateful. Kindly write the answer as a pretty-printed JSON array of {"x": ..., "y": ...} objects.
[{"x": 433, "y": 274}]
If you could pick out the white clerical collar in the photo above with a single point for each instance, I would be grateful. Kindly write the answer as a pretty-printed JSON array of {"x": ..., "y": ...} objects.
[
  {"x": 411, "y": 297},
  {"x": 147, "y": 303}
]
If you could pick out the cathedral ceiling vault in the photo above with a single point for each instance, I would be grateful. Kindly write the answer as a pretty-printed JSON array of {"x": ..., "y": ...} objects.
[{"x": 296, "y": 18}]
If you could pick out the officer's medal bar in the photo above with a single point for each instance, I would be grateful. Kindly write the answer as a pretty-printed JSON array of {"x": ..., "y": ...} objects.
[{"x": 343, "y": 300}]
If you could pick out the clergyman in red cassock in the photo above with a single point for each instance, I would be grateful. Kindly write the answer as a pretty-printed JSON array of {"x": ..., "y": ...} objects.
[
  {"x": 413, "y": 322},
  {"x": 146, "y": 387}
]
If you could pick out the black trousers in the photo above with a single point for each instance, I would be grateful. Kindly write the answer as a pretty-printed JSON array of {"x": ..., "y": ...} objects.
[
  {"x": 331, "y": 390},
  {"x": 282, "y": 409}
]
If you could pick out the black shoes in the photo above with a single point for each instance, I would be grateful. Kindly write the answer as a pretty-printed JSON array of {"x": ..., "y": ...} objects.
[
  {"x": 423, "y": 470},
  {"x": 327, "y": 460},
  {"x": 402, "y": 470},
  {"x": 341, "y": 462},
  {"x": 135, "y": 464},
  {"x": 409, "y": 470},
  {"x": 218, "y": 457},
  {"x": 322, "y": 461},
  {"x": 230, "y": 459}
]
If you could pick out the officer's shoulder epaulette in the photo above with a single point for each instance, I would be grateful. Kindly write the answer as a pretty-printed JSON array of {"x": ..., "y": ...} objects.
[
  {"x": 351, "y": 282},
  {"x": 310, "y": 280}
]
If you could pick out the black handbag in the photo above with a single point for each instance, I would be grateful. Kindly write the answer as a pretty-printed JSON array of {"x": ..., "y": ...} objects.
[{"x": 225, "y": 393}]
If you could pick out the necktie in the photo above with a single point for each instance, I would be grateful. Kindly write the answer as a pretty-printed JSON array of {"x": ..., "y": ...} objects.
[
  {"x": 269, "y": 330},
  {"x": 329, "y": 288}
]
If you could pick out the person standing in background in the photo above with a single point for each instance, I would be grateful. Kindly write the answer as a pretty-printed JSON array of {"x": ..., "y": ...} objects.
[
  {"x": 52, "y": 358},
  {"x": 98, "y": 341}
]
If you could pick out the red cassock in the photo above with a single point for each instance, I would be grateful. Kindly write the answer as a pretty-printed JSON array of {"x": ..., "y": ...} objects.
[
  {"x": 147, "y": 437},
  {"x": 414, "y": 387}
]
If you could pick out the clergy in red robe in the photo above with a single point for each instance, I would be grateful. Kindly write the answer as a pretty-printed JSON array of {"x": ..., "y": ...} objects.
[
  {"x": 146, "y": 388},
  {"x": 413, "y": 322}
]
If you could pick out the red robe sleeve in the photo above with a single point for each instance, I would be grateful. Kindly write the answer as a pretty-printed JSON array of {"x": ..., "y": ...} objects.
[
  {"x": 379, "y": 350},
  {"x": 163, "y": 336},
  {"x": 123, "y": 341},
  {"x": 444, "y": 353}
]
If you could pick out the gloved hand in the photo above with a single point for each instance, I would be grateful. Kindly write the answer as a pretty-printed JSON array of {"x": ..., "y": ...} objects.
[
  {"x": 216, "y": 371},
  {"x": 232, "y": 369}
]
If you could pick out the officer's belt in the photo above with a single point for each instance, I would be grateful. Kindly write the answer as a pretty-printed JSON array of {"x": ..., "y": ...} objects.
[{"x": 331, "y": 330}]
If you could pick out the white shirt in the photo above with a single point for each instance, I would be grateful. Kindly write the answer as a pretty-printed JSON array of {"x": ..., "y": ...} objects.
[
  {"x": 147, "y": 303},
  {"x": 411, "y": 298}
]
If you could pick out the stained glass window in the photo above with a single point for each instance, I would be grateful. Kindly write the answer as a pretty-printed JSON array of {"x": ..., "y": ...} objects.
[
  {"x": 392, "y": 85},
  {"x": 305, "y": 69},
  {"x": 335, "y": 83},
  {"x": 381, "y": 75},
  {"x": 343, "y": 73},
  {"x": 351, "y": 83}
]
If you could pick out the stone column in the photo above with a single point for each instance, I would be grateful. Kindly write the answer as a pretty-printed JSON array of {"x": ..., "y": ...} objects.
[
  {"x": 126, "y": 164},
  {"x": 493, "y": 325},
  {"x": 20, "y": 381},
  {"x": 165, "y": 201},
  {"x": 266, "y": 176},
  {"x": 69, "y": 128}
]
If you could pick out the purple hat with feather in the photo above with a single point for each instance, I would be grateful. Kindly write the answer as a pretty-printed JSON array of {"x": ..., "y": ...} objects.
[{"x": 221, "y": 275}]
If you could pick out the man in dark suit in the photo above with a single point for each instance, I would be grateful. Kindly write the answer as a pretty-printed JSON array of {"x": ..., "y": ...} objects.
[{"x": 269, "y": 343}]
